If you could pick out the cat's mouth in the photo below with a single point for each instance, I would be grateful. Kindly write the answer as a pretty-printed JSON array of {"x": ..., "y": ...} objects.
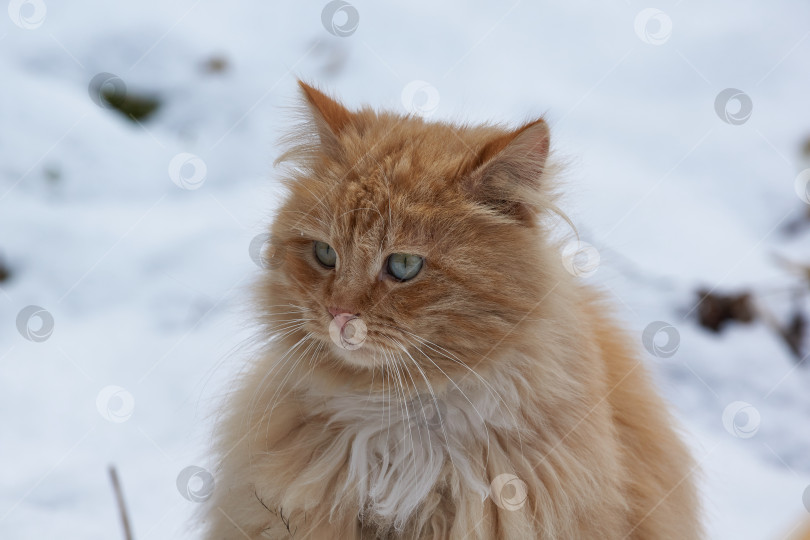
[{"x": 356, "y": 340}]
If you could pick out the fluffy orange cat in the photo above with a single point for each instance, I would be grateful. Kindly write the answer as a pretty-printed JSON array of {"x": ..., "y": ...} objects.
[{"x": 430, "y": 369}]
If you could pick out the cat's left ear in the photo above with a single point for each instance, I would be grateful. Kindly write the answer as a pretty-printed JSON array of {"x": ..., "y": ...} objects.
[
  {"x": 330, "y": 117},
  {"x": 509, "y": 170}
]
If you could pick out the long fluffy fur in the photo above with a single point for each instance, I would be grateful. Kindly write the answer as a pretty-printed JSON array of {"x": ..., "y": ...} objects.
[{"x": 493, "y": 361}]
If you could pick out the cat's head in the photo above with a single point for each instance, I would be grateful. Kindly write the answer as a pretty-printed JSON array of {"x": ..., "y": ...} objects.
[{"x": 409, "y": 241}]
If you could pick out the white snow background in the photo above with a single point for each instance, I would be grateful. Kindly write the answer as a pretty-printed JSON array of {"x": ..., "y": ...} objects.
[{"x": 146, "y": 282}]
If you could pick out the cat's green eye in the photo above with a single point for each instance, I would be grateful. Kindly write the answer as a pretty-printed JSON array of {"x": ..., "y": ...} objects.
[
  {"x": 404, "y": 266},
  {"x": 325, "y": 254}
]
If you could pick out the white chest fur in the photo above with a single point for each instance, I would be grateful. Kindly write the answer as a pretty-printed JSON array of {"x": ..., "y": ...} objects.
[{"x": 398, "y": 448}]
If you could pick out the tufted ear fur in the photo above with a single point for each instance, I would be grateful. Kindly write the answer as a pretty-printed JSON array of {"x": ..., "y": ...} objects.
[
  {"x": 509, "y": 170},
  {"x": 330, "y": 117}
]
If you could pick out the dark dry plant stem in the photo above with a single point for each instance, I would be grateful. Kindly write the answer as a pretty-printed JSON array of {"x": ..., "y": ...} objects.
[{"x": 122, "y": 507}]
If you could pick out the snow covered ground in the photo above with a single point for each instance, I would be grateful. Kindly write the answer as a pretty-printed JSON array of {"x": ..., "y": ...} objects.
[{"x": 145, "y": 282}]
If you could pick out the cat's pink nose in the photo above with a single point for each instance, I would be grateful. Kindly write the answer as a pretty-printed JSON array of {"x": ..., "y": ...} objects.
[{"x": 341, "y": 315}]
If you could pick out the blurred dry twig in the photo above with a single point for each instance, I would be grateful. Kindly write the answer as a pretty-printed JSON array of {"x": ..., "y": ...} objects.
[{"x": 122, "y": 507}]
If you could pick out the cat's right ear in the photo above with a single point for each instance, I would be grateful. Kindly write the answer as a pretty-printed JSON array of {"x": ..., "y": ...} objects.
[{"x": 329, "y": 116}]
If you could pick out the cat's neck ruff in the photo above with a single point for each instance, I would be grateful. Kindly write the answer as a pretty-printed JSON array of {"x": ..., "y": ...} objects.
[{"x": 400, "y": 444}]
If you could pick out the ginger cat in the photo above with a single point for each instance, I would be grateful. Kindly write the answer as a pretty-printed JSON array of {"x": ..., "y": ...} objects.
[{"x": 429, "y": 368}]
